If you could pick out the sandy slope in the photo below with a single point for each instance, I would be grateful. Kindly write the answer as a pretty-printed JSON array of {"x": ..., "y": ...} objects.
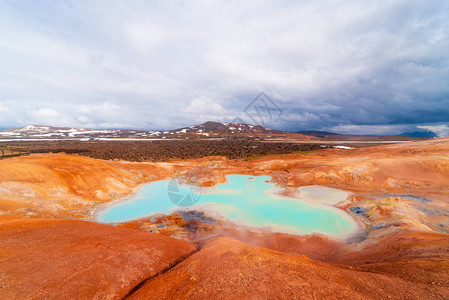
[
  {"x": 52, "y": 185},
  {"x": 228, "y": 269},
  {"x": 64, "y": 259}
]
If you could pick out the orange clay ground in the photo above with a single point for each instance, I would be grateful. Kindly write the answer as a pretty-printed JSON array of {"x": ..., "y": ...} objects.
[{"x": 401, "y": 251}]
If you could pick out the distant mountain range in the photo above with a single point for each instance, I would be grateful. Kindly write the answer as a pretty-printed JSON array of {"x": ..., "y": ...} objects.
[
  {"x": 421, "y": 134},
  {"x": 325, "y": 135},
  {"x": 49, "y": 132},
  {"x": 205, "y": 130}
]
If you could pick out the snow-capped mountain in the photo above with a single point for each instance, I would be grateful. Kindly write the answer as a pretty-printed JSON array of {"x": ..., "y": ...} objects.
[
  {"x": 224, "y": 128},
  {"x": 205, "y": 130},
  {"x": 49, "y": 132},
  {"x": 235, "y": 129}
]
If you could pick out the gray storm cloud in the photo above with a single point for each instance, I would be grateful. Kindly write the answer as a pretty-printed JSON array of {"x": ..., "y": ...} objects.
[{"x": 363, "y": 67}]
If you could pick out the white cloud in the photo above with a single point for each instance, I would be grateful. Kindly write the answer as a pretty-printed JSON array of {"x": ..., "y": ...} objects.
[
  {"x": 204, "y": 105},
  {"x": 84, "y": 109},
  {"x": 204, "y": 109},
  {"x": 145, "y": 36},
  {"x": 107, "y": 106},
  {"x": 45, "y": 113},
  {"x": 84, "y": 120},
  {"x": 48, "y": 116},
  {"x": 110, "y": 125},
  {"x": 439, "y": 130},
  {"x": 3, "y": 108}
]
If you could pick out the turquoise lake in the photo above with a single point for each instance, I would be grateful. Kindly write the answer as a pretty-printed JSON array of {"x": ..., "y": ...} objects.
[{"x": 245, "y": 200}]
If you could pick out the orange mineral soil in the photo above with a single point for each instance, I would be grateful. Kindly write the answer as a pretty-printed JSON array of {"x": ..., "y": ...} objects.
[
  {"x": 60, "y": 185},
  {"x": 399, "y": 197},
  {"x": 67, "y": 259},
  {"x": 227, "y": 269}
]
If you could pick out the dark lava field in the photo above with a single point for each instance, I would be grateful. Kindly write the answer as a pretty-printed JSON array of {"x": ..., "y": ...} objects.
[{"x": 166, "y": 150}]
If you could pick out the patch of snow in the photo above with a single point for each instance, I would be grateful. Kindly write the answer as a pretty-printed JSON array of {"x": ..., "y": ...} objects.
[
  {"x": 49, "y": 134},
  {"x": 91, "y": 131}
]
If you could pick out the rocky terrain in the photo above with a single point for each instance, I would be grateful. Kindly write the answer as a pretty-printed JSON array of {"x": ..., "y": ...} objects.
[
  {"x": 165, "y": 150},
  {"x": 399, "y": 199}
]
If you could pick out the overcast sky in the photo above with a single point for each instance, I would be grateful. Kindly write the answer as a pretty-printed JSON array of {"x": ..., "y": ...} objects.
[{"x": 377, "y": 67}]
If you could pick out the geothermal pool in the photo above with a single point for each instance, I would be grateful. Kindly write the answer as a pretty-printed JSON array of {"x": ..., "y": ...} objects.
[{"x": 245, "y": 200}]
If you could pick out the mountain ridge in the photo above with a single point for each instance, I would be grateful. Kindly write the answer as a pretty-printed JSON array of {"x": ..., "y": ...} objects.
[
  {"x": 207, "y": 129},
  {"x": 326, "y": 135}
]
